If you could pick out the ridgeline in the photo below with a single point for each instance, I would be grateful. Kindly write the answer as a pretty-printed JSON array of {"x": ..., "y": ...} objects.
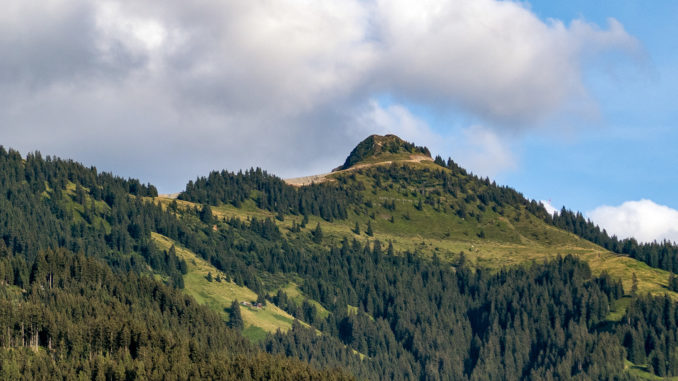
[{"x": 396, "y": 266}]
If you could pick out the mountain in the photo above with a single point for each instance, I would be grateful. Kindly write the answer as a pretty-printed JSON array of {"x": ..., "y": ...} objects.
[
  {"x": 388, "y": 148},
  {"x": 396, "y": 266}
]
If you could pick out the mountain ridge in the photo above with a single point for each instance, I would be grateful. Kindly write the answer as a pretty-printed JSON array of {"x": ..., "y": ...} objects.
[
  {"x": 373, "y": 150},
  {"x": 378, "y": 148},
  {"x": 410, "y": 270}
]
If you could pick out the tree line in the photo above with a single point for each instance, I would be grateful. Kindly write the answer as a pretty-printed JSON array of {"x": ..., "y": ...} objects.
[{"x": 271, "y": 193}]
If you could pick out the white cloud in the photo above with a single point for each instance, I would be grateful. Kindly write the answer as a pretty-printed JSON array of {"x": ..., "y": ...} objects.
[
  {"x": 644, "y": 220},
  {"x": 493, "y": 59},
  {"x": 549, "y": 208},
  {"x": 279, "y": 84},
  {"x": 395, "y": 119},
  {"x": 482, "y": 151}
]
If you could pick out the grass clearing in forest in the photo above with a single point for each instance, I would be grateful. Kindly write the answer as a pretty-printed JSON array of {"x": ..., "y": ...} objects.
[
  {"x": 218, "y": 296},
  {"x": 488, "y": 239}
]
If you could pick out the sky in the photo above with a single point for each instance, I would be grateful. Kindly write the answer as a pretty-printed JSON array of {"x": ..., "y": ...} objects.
[{"x": 571, "y": 103}]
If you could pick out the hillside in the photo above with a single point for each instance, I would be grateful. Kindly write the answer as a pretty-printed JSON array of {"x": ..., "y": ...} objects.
[
  {"x": 433, "y": 210},
  {"x": 393, "y": 268},
  {"x": 85, "y": 293}
]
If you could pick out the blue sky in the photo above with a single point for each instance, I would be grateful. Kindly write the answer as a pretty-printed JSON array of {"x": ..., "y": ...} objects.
[
  {"x": 630, "y": 153},
  {"x": 567, "y": 101}
]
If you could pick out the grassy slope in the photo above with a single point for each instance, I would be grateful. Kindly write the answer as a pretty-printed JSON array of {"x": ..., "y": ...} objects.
[
  {"x": 219, "y": 295},
  {"x": 513, "y": 238}
]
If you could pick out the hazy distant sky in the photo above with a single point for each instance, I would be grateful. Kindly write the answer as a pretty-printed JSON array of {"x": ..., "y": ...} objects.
[{"x": 569, "y": 101}]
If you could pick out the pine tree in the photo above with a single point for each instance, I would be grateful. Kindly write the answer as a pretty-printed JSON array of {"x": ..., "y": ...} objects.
[
  {"x": 673, "y": 282},
  {"x": 317, "y": 234},
  {"x": 206, "y": 214},
  {"x": 356, "y": 230},
  {"x": 369, "y": 230},
  {"x": 235, "y": 317}
]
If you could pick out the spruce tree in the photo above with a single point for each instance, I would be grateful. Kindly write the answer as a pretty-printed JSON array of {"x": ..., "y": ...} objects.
[
  {"x": 317, "y": 234},
  {"x": 206, "y": 214},
  {"x": 235, "y": 319}
]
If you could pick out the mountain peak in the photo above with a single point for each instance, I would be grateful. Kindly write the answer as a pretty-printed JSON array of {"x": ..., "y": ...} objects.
[{"x": 378, "y": 148}]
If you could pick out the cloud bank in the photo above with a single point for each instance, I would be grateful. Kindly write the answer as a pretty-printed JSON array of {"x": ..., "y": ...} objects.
[
  {"x": 643, "y": 220},
  {"x": 167, "y": 91}
]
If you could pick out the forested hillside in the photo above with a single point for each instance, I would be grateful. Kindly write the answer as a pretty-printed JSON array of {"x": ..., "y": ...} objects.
[
  {"x": 77, "y": 295},
  {"x": 402, "y": 270}
]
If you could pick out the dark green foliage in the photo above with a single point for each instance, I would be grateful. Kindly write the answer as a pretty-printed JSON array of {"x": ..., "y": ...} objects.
[
  {"x": 328, "y": 201},
  {"x": 650, "y": 334},
  {"x": 84, "y": 318},
  {"x": 100, "y": 314},
  {"x": 317, "y": 234},
  {"x": 206, "y": 214},
  {"x": 103, "y": 216},
  {"x": 369, "y": 230},
  {"x": 663, "y": 255},
  {"x": 375, "y": 144},
  {"x": 79, "y": 319},
  {"x": 515, "y": 323},
  {"x": 235, "y": 317},
  {"x": 673, "y": 282}
]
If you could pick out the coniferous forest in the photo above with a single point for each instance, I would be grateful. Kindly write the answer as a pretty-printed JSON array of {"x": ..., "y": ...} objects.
[{"x": 86, "y": 292}]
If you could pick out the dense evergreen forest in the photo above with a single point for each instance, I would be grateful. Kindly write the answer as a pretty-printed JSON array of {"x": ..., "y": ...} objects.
[
  {"x": 77, "y": 300},
  {"x": 377, "y": 332},
  {"x": 419, "y": 320},
  {"x": 271, "y": 193},
  {"x": 663, "y": 255},
  {"x": 330, "y": 201},
  {"x": 77, "y": 319},
  {"x": 85, "y": 292}
]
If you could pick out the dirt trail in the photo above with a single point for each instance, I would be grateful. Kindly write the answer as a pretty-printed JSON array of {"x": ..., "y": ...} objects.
[{"x": 321, "y": 178}]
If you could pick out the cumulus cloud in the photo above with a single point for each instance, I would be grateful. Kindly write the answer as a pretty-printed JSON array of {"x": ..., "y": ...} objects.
[
  {"x": 495, "y": 59},
  {"x": 395, "y": 119},
  {"x": 643, "y": 220},
  {"x": 482, "y": 151},
  {"x": 166, "y": 91}
]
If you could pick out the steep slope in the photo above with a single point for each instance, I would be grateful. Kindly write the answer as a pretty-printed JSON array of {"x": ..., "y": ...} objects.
[
  {"x": 435, "y": 208},
  {"x": 379, "y": 149},
  {"x": 411, "y": 269},
  {"x": 212, "y": 287},
  {"x": 363, "y": 255},
  {"x": 78, "y": 299}
]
